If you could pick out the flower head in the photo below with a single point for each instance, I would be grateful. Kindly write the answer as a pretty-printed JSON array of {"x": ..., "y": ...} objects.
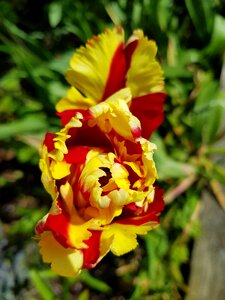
[
  {"x": 105, "y": 65},
  {"x": 100, "y": 173}
]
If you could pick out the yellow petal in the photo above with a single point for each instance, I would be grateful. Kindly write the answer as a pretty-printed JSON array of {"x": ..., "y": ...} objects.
[
  {"x": 150, "y": 172},
  {"x": 64, "y": 261},
  {"x": 90, "y": 65},
  {"x": 123, "y": 241},
  {"x": 120, "y": 175},
  {"x": 124, "y": 236},
  {"x": 114, "y": 113},
  {"x": 105, "y": 246},
  {"x": 73, "y": 100},
  {"x": 119, "y": 197},
  {"x": 105, "y": 216},
  {"x": 67, "y": 195},
  {"x": 46, "y": 175},
  {"x": 79, "y": 233},
  {"x": 145, "y": 74},
  {"x": 59, "y": 169}
]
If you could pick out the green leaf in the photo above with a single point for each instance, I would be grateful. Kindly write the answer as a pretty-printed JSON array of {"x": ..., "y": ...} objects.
[
  {"x": 164, "y": 13},
  {"x": 156, "y": 243},
  {"x": 183, "y": 214},
  {"x": 213, "y": 123},
  {"x": 208, "y": 112},
  {"x": 55, "y": 13},
  {"x": 136, "y": 14},
  {"x": 167, "y": 167},
  {"x": 179, "y": 254},
  {"x": 29, "y": 124},
  {"x": 217, "y": 42},
  {"x": 208, "y": 88},
  {"x": 177, "y": 71},
  {"x": 61, "y": 63},
  {"x": 94, "y": 283},
  {"x": 115, "y": 13},
  {"x": 202, "y": 15},
  {"x": 84, "y": 295},
  {"x": 217, "y": 172},
  {"x": 41, "y": 285}
]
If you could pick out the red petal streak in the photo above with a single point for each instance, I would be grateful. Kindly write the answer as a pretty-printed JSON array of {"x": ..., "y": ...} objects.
[
  {"x": 147, "y": 218},
  {"x": 118, "y": 142},
  {"x": 77, "y": 155},
  {"x": 58, "y": 225},
  {"x": 132, "y": 206},
  {"x": 158, "y": 204},
  {"x": 116, "y": 77},
  {"x": 48, "y": 141},
  {"x": 149, "y": 110},
  {"x": 92, "y": 253},
  {"x": 138, "y": 216},
  {"x": 40, "y": 227},
  {"x": 128, "y": 51},
  {"x": 136, "y": 133},
  {"x": 88, "y": 136},
  {"x": 67, "y": 115}
]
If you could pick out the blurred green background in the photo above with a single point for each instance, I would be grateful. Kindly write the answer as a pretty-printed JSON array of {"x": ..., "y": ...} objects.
[{"x": 37, "y": 39}]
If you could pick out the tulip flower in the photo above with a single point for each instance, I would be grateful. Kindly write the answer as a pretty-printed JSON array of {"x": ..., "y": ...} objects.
[
  {"x": 100, "y": 173},
  {"x": 107, "y": 64}
]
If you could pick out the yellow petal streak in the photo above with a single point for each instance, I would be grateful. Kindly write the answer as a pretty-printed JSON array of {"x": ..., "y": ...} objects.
[
  {"x": 79, "y": 233},
  {"x": 114, "y": 113},
  {"x": 46, "y": 175},
  {"x": 64, "y": 261},
  {"x": 59, "y": 169},
  {"x": 145, "y": 74},
  {"x": 78, "y": 229},
  {"x": 90, "y": 65},
  {"x": 73, "y": 100},
  {"x": 124, "y": 236},
  {"x": 120, "y": 175}
]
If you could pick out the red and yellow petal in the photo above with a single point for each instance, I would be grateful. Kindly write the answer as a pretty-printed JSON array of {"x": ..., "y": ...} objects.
[
  {"x": 149, "y": 110},
  {"x": 114, "y": 114},
  {"x": 98, "y": 247},
  {"x": 134, "y": 215},
  {"x": 74, "y": 100},
  {"x": 124, "y": 237},
  {"x": 91, "y": 65},
  {"x": 67, "y": 230},
  {"x": 64, "y": 261},
  {"x": 46, "y": 176},
  {"x": 92, "y": 252},
  {"x": 128, "y": 225},
  {"x": 144, "y": 75}
]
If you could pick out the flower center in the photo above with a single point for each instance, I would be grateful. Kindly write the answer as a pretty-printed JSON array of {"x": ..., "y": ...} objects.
[{"x": 104, "y": 180}]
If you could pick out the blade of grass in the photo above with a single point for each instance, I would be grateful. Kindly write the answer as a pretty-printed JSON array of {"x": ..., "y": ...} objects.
[
  {"x": 94, "y": 283},
  {"x": 42, "y": 287}
]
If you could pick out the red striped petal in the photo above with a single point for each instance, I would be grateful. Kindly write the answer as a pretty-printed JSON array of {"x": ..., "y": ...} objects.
[
  {"x": 58, "y": 225},
  {"x": 131, "y": 146},
  {"x": 77, "y": 155},
  {"x": 136, "y": 132},
  {"x": 158, "y": 204},
  {"x": 149, "y": 110},
  {"x": 117, "y": 73},
  {"x": 66, "y": 115},
  {"x": 129, "y": 50},
  {"x": 88, "y": 136},
  {"x": 132, "y": 216},
  {"x": 48, "y": 141},
  {"x": 148, "y": 218},
  {"x": 92, "y": 253},
  {"x": 40, "y": 227}
]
